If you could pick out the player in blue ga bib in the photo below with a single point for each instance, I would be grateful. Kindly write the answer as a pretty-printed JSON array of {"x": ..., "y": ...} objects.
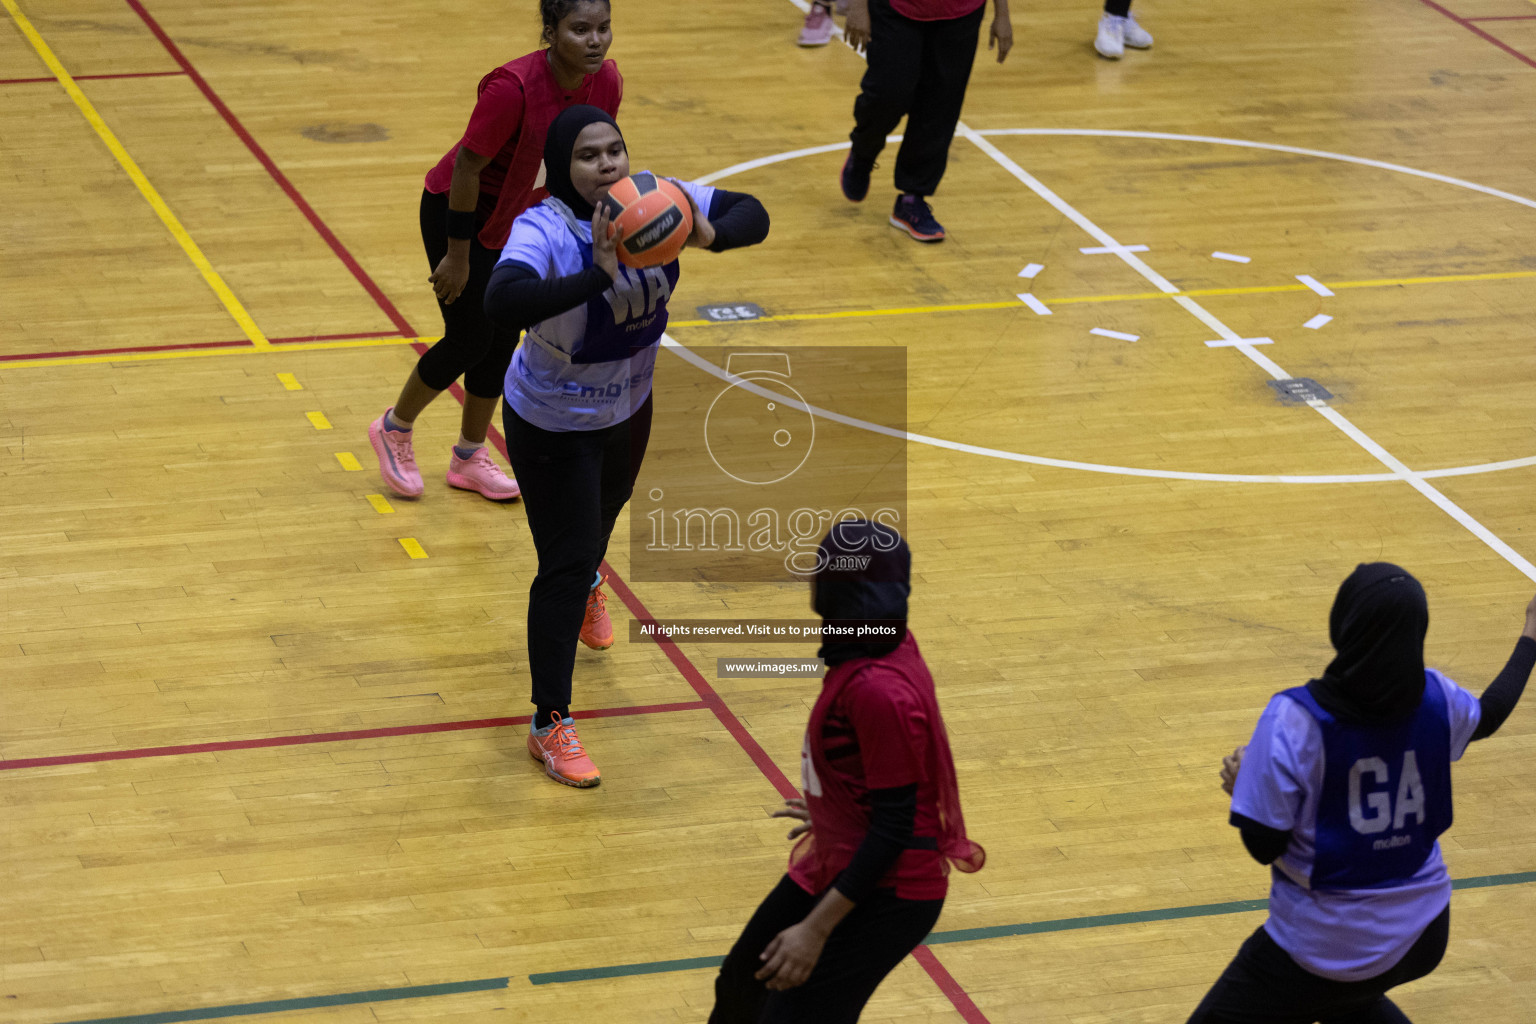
[{"x": 1344, "y": 790}]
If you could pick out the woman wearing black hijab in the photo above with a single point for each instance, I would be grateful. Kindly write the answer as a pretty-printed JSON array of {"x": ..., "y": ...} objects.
[
  {"x": 578, "y": 394},
  {"x": 880, "y": 816},
  {"x": 1343, "y": 790}
]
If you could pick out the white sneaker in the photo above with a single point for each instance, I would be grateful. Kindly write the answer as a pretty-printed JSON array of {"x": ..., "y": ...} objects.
[
  {"x": 1110, "y": 42},
  {"x": 1136, "y": 36}
]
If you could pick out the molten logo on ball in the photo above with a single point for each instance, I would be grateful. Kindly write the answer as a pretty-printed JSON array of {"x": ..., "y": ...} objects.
[{"x": 653, "y": 219}]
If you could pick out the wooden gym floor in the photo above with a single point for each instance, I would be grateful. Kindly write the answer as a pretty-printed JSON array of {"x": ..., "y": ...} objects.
[{"x": 212, "y": 270}]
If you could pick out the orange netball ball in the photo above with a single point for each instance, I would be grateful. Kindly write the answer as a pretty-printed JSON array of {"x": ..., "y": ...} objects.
[{"x": 653, "y": 218}]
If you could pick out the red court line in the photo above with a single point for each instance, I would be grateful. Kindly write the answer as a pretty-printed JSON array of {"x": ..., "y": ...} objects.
[
  {"x": 1466, "y": 23},
  {"x": 701, "y": 686},
  {"x": 335, "y": 737},
  {"x": 333, "y": 337},
  {"x": 93, "y": 78},
  {"x": 969, "y": 1011},
  {"x": 709, "y": 697},
  {"x": 272, "y": 169},
  {"x": 243, "y": 343}
]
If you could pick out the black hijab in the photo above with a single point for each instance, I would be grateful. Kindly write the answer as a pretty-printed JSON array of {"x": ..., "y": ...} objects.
[
  {"x": 850, "y": 591},
  {"x": 559, "y": 144},
  {"x": 1377, "y": 626}
]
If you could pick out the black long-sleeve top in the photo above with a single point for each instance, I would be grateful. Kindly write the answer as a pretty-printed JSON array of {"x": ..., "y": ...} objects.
[
  {"x": 1266, "y": 844},
  {"x": 516, "y": 297}
]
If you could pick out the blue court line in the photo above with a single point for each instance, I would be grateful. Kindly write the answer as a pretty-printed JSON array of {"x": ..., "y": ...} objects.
[
  {"x": 701, "y": 962},
  {"x": 378, "y": 995}
]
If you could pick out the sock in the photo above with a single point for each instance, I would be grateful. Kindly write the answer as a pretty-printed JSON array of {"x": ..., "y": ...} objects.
[
  {"x": 543, "y": 719},
  {"x": 597, "y": 580},
  {"x": 466, "y": 448},
  {"x": 393, "y": 422}
]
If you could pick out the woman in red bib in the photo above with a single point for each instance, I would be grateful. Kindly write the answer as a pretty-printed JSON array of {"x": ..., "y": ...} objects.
[
  {"x": 471, "y": 199},
  {"x": 881, "y": 815}
]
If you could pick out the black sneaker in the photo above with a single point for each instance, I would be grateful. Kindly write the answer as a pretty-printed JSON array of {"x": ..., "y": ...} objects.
[
  {"x": 915, "y": 217},
  {"x": 855, "y": 178}
]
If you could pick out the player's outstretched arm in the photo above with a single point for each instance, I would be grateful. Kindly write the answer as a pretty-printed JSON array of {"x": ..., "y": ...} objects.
[{"x": 1504, "y": 692}]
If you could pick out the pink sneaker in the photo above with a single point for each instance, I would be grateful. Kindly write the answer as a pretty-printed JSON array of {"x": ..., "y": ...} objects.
[
  {"x": 558, "y": 748},
  {"x": 480, "y": 473},
  {"x": 817, "y": 30},
  {"x": 397, "y": 461}
]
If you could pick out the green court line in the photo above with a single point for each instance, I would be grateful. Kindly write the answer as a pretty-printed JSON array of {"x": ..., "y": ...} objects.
[
  {"x": 703, "y": 962},
  {"x": 378, "y": 995},
  {"x": 693, "y": 963},
  {"x": 1000, "y": 931}
]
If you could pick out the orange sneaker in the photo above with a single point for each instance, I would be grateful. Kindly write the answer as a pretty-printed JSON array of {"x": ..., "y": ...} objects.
[
  {"x": 597, "y": 628},
  {"x": 557, "y": 746}
]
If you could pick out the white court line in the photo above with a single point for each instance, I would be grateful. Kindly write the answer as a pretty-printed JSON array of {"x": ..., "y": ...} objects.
[
  {"x": 1235, "y": 342},
  {"x": 1032, "y": 270},
  {"x": 686, "y": 354},
  {"x": 1318, "y": 321},
  {"x": 1386, "y": 458},
  {"x": 1034, "y": 304},
  {"x": 1230, "y": 258},
  {"x": 1315, "y": 285},
  {"x": 1101, "y": 250},
  {"x": 1117, "y": 335}
]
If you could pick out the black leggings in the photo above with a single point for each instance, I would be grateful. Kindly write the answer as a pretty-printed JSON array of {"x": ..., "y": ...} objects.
[
  {"x": 472, "y": 347},
  {"x": 1263, "y": 985},
  {"x": 864, "y": 947},
  {"x": 574, "y": 484},
  {"x": 919, "y": 69},
  {"x": 1120, "y": 7}
]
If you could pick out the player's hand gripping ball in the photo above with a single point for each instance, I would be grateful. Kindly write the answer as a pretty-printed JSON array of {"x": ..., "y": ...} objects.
[{"x": 653, "y": 219}]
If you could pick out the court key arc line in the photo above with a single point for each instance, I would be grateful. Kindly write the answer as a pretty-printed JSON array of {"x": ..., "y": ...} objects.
[
  {"x": 1333, "y": 416},
  {"x": 119, "y": 153},
  {"x": 682, "y": 351},
  {"x": 1168, "y": 290}
]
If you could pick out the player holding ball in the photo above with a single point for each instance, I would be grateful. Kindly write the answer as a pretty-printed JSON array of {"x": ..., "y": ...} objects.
[{"x": 578, "y": 391}]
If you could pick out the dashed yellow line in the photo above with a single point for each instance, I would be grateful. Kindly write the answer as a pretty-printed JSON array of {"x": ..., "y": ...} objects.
[
  {"x": 412, "y": 548},
  {"x": 318, "y": 420},
  {"x": 349, "y": 462},
  {"x": 380, "y": 504},
  {"x": 289, "y": 382},
  {"x": 211, "y": 276}
]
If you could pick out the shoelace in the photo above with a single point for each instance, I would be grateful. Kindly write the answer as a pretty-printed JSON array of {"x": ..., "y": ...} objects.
[
  {"x": 482, "y": 458},
  {"x": 405, "y": 456},
  {"x": 597, "y": 600},
  {"x": 563, "y": 738}
]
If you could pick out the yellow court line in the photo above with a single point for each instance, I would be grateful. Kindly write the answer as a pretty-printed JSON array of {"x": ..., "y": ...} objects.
[
  {"x": 845, "y": 314},
  {"x": 349, "y": 462},
  {"x": 842, "y": 314},
  {"x": 412, "y": 547},
  {"x": 140, "y": 357},
  {"x": 289, "y": 382},
  {"x": 380, "y": 504},
  {"x": 318, "y": 420},
  {"x": 211, "y": 276}
]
